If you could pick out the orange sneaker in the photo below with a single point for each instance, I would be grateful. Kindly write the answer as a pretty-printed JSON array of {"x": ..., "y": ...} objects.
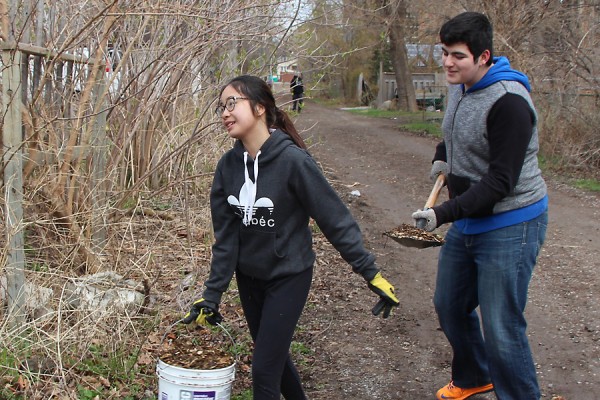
[{"x": 451, "y": 392}]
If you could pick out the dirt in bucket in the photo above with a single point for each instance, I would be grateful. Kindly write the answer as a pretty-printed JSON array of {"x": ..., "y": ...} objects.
[{"x": 199, "y": 348}]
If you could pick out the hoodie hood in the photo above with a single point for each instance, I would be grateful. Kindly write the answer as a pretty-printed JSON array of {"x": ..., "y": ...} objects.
[
  {"x": 273, "y": 146},
  {"x": 501, "y": 71}
]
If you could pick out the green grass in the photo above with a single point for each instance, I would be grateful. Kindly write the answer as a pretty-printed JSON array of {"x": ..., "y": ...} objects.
[
  {"x": 113, "y": 364},
  {"x": 300, "y": 348},
  {"x": 314, "y": 227},
  {"x": 9, "y": 371},
  {"x": 118, "y": 366},
  {"x": 242, "y": 347},
  {"x": 87, "y": 394},
  {"x": 376, "y": 113},
  {"x": 556, "y": 166},
  {"x": 588, "y": 184},
  {"x": 416, "y": 122},
  {"x": 326, "y": 102},
  {"x": 245, "y": 395},
  {"x": 428, "y": 128}
]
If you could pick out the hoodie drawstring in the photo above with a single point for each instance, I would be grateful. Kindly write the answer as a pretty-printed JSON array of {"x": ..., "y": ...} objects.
[{"x": 250, "y": 186}]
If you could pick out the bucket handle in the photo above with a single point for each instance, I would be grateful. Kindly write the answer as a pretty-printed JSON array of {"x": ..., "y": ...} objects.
[{"x": 169, "y": 328}]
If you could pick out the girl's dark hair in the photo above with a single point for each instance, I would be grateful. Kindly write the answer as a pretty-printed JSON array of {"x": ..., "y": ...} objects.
[
  {"x": 471, "y": 28},
  {"x": 258, "y": 92}
]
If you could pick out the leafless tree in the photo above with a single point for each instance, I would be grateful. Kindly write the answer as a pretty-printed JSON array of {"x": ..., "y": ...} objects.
[
  {"x": 117, "y": 114},
  {"x": 159, "y": 65},
  {"x": 556, "y": 44},
  {"x": 396, "y": 17}
]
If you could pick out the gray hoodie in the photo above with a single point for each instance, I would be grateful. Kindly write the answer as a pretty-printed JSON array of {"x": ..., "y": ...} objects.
[{"x": 260, "y": 213}]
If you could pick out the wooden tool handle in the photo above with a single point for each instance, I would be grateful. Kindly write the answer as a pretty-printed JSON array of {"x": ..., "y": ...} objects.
[{"x": 437, "y": 188}]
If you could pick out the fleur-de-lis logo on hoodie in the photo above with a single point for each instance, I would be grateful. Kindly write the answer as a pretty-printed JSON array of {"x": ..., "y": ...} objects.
[{"x": 247, "y": 204}]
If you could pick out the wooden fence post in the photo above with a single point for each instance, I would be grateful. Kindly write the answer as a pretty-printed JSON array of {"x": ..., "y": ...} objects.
[
  {"x": 99, "y": 148},
  {"x": 12, "y": 137}
]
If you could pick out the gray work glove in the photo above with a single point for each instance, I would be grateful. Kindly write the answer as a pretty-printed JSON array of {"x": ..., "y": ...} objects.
[
  {"x": 425, "y": 219},
  {"x": 438, "y": 167}
]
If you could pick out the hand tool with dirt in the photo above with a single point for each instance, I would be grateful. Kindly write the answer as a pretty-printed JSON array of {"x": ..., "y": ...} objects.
[{"x": 411, "y": 236}]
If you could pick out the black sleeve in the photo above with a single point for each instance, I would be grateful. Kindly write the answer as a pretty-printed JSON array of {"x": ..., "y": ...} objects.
[
  {"x": 225, "y": 248},
  {"x": 333, "y": 217},
  {"x": 440, "y": 152},
  {"x": 510, "y": 127}
]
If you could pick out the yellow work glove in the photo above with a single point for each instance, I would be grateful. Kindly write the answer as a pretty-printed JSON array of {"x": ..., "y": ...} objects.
[
  {"x": 386, "y": 293},
  {"x": 204, "y": 313}
]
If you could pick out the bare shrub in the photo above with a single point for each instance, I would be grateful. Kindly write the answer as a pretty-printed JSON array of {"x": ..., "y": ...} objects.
[{"x": 120, "y": 142}]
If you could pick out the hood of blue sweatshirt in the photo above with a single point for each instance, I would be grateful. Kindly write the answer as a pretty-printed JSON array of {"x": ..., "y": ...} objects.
[{"x": 500, "y": 71}]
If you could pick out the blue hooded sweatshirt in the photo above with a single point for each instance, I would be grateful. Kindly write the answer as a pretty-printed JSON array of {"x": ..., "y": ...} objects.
[
  {"x": 500, "y": 71},
  {"x": 490, "y": 145}
]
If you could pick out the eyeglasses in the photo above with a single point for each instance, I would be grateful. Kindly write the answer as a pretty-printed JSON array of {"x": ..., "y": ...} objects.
[{"x": 229, "y": 104}]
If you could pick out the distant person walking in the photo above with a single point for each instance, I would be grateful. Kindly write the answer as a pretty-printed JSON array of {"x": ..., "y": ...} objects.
[{"x": 297, "y": 88}]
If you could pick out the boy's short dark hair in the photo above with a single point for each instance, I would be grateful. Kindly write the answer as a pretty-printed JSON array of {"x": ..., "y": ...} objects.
[{"x": 472, "y": 28}]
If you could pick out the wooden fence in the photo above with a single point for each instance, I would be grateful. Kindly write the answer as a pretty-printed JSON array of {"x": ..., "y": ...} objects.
[{"x": 35, "y": 79}]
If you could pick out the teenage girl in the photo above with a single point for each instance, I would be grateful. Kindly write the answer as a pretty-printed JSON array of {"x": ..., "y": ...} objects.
[{"x": 265, "y": 190}]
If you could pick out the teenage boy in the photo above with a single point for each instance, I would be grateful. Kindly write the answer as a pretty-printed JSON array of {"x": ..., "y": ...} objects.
[{"x": 498, "y": 206}]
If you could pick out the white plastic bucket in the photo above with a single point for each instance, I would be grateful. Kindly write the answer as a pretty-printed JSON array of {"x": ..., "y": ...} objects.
[{"x": 176, "y": 383}]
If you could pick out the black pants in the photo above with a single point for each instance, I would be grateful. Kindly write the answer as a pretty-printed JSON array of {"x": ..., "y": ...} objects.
[
  {"x": 297, "y": 101},
  {"x": 272, "y": 310}
]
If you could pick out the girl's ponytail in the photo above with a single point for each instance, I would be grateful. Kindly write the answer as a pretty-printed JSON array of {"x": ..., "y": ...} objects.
[{"x": 283, "y": 122}]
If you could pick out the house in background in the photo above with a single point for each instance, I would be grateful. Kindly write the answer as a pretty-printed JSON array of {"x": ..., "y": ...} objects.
[
  {"x": 428, "y": 78},
  {"x": 424, "y": 56},
  {"x": 286, "y": 70},
  {"x": 282, "y": 74}
]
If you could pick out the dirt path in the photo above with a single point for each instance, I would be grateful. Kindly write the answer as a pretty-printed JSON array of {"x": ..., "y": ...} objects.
[{"x": 407, "y": 357}]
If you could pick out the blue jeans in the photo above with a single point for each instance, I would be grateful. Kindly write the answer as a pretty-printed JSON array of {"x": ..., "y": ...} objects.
[{"x": 491, "y": 270}]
